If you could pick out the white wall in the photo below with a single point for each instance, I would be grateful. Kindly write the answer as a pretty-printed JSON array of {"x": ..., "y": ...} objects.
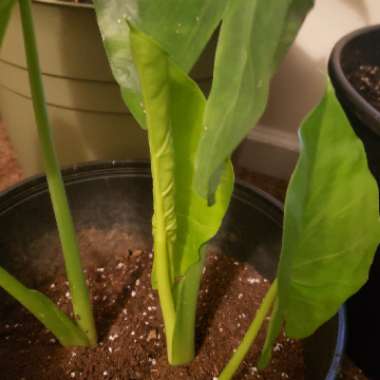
[{"x": 271, "y": 147}]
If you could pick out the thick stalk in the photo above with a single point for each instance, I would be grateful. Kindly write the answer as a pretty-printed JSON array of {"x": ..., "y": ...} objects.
[
  {"x": 78, "y": 288},
  {"x": 162, "y": 247},
  {"x": 250, "y": 336}
]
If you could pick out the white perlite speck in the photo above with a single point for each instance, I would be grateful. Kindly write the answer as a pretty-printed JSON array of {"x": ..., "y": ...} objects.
[
  {"x": 113, "y": 337},
  {"x": 277, "y": 347}
]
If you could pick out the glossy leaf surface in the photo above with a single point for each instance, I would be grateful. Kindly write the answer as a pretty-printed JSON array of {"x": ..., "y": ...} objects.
[
  {"x": 255, "y": 35},
  {"x": 181, "y": 27}
]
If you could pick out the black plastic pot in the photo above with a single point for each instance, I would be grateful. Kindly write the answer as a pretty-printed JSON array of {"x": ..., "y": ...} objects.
[
  {"x": 106, "y": 194},
  {"x": 360, "y": 48}
]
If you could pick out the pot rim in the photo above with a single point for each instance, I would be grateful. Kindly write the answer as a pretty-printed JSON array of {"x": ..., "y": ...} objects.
[
  {"x": 85, "y": 171},
  {"x": 98, "y": 168},
  {"x": 368, "y": 113},
  {"x": 59, "y": 3},
  {"x": 340, "y": 347}
]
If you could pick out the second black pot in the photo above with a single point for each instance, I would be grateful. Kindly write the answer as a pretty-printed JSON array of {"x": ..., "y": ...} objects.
[{"x": 361, "y": 47}]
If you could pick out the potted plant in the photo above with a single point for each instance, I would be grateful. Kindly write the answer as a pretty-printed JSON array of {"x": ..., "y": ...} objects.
[
  {"x": 82, "y": 97},
  {"x": 354, "y": 69},
  {"x": 190, "y": 140}
]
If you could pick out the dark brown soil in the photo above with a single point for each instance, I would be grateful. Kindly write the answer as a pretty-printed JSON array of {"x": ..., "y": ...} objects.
[
  {"x": 274, "y": 186},
  {"x": 131, "y": 344},
  {"x": 9, "y": 174},
  {"x": 366, "y": 80},
  {"x": 350, "y": 372}
]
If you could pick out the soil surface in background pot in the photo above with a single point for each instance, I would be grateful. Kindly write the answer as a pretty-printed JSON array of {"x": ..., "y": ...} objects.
[
  {"x": 131, "y": 339},
  {"x": 366, "y": 80}
]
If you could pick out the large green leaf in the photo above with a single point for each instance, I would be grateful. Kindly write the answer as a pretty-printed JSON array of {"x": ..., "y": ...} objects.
[
  {"x": 255, "y": 35},
  {"x": 5, "y": 12},
  {"x": 331, "y": 224},
  {"x": 181, "y": 27},
  {"x": 183, "y": 222}
]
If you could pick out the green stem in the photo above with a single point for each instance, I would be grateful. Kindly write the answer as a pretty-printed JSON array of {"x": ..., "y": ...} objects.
[
  {"x": 64, "y": 329},
  {"x": 164, "y": 285},
  {"x": 79, "y": 292},
  {"x": 250, "y": 336}
]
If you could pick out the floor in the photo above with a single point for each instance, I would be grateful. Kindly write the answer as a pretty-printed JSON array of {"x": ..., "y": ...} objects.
[{"x": 11, "y": 173}]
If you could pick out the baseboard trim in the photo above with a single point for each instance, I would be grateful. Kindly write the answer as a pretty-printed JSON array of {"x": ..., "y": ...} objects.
[{"x": 269, "y": 151}]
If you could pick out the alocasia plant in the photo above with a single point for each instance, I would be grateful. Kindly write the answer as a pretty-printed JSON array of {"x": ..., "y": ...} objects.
[
  {"x": 148, "y": 45},
  {"x": 148, "y": 60},
  {"x": 151, "y": 47}
]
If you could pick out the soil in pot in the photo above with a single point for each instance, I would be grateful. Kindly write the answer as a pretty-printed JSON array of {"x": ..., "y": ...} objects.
[
  {"x": 366, "y": 80},
  {"x": 131, "y": 338}
]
